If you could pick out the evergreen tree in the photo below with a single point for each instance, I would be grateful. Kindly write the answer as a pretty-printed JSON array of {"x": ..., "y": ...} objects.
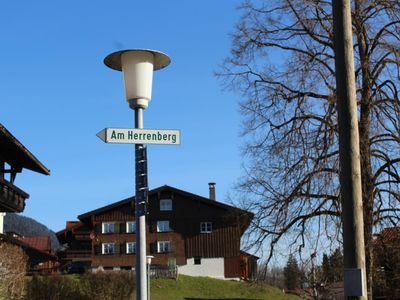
[
  {"x": 336, "y": 264},
  {"x": 326, "y": 268},
  {"x": 332, "y": 266},
  {"x": 292, "y": 273}
]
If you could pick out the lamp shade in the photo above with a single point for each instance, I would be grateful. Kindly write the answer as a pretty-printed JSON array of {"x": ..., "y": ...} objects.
[
  {"x": 138, "y": 75},
  {"x": 137, "y": 66}
]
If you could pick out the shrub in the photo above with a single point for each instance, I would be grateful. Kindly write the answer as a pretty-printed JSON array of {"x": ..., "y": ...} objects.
[
  {"x": 116, "y": 285},
  {"x": 90, "y": 286},
  {"x": 13, "y": 264},
  {"x": 55, "y": 287}
]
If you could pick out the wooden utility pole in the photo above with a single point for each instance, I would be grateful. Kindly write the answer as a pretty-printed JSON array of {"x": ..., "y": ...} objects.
[{"x": 350, "y": 169}]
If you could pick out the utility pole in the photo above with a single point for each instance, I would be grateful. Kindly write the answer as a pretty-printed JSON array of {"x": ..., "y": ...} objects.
[{"x": 355, "y": 285}]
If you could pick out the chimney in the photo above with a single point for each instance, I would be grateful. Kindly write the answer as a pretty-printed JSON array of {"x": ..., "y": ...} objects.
[{"x": 211, "y": 186}]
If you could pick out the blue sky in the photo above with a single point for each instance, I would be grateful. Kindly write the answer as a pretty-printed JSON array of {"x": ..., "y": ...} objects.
[{"x": 56, "y": 94}]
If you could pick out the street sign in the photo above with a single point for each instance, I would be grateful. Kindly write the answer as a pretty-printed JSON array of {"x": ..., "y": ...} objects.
[{"x": 140, "y": 136}]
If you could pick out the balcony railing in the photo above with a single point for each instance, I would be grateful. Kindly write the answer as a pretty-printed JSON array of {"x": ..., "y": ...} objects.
[
  {"x": 73, "y": 254},
  {"x": 12, "y": 199}
]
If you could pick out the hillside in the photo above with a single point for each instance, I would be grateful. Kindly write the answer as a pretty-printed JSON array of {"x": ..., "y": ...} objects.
[
  {"x": 27, "y": 226},
  {"x": 202, "y": 288}
]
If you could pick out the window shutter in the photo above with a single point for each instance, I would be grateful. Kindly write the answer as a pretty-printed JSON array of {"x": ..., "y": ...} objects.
[
  {"x": 97, "y": 227},
  {"x": 153, "y": 247},
  {"x": 117, "y": 249},
  {"x": 172, "y": 246},
  {"x": 116, "y": 228},
  {"x": 153, "y": 227},
  {"x": 97, "y": 249},
  {"x": 122, "y": 248},
  {"x": 122, "y": 227}
]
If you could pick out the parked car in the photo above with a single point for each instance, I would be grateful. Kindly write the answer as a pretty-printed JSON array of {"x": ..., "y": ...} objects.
[{"x": 75, "y": 268}]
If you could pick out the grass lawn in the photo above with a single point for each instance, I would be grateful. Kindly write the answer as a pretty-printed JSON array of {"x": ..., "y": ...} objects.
[
  {"x": 204, "y": 288},
  {"x": 119, "y": 285}
]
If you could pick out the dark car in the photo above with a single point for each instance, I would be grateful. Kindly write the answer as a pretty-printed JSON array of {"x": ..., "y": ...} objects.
[{"x": 75, "y": 268}]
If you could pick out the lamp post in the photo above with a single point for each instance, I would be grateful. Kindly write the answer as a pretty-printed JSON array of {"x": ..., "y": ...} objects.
[
  {"x": 149, "y": 257},
  {"x": 137, "y": 66}
]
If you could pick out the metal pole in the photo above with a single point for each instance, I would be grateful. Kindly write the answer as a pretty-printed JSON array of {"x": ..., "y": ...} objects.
[
  {"x": 148, "y": 281},
  {"x": 140, "y": 211},
  {"x": 350, "y": 170}
]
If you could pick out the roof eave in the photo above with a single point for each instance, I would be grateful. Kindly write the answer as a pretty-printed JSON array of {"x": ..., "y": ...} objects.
[{"x": 30, "y": 161}]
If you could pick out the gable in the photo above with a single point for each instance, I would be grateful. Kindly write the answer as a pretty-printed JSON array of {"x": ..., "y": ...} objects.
[{"x": 184, "y": 204}]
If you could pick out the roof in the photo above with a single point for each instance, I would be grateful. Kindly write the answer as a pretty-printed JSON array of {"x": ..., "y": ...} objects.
[
  {"x": 30, "y": 251},
  {"x": 16, "y": 155},
  {"x": 155, "y": 191},
  {"x": 389, "y": 234},
  {"x": 173, "y": 190},
  {"x": 70, "y": 226},
  {"x": 41, "y": 243},
  {"x": 248, "y": 254}
]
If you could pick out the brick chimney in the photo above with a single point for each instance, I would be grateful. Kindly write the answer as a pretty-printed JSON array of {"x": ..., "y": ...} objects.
[{"x": 211, "y": 187}]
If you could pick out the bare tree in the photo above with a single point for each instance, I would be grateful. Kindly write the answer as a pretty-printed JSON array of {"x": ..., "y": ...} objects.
[{"x": 282, "y": 61}]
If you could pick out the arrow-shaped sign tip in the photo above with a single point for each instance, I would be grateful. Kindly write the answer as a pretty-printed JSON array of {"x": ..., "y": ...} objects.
[{"x": 102, "y": 135}]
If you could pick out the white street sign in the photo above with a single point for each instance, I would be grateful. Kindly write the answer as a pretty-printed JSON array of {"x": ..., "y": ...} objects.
[{"x": 140, "y": 136}]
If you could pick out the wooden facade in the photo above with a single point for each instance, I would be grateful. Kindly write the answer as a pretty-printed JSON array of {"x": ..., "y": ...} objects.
[
  {"x": 14, "y": 157},
  {"x": 39, "y": 261},
  {"x": 75, "y": 242},
  {"x": 224, "y": 227}
]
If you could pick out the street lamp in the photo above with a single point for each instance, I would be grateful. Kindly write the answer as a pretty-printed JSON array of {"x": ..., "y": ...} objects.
[
  {"x": 137, "y": 66},
  {"x": 149, "y": 257}
]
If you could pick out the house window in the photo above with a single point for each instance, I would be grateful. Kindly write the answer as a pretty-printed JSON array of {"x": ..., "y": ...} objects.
[
  {"x": 108, "y": 248},
  {"x": 130, "y": 247},
  {"x": 108, "y": 227},
  {"x": 163, "y": 226},
  {"x": 130, "y": 227},
  {"x": 165, "y": 204},
  {"x": 205, "y": 227},
  {"x": 163, "y": 246},
  {"x": 197, "y": 260}
]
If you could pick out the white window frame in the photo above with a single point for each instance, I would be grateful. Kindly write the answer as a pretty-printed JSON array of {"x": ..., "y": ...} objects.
[
  {"x": 134, "y": 248},
  {"x": 163, "y": 226},
  {"x": 205, "y": 227},
  {"x": 165, "y": 204},
  {"x": 106, "y": 227},
  {"x": 107, "y": 248},
  {"x": 130, "y": 223},
  {"x": 163, "y": 246}
]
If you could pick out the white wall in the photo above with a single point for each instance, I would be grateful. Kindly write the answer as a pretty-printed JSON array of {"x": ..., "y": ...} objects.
[
  {"x": 2, "y": 222},
  {"x": 211, "y": 267}
]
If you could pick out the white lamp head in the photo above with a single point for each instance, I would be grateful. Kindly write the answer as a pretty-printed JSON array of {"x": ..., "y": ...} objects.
[
  {"x": 148, "y": 258},
  {"x": 137, "y": 66}
]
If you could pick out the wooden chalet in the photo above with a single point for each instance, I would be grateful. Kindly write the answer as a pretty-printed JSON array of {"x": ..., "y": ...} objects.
[
  {"x": 76, "y": 244},
  {"x": 13, "y": 158},
  {"x": 200, "y": 236},
  {"x": 37, "y": 250}
]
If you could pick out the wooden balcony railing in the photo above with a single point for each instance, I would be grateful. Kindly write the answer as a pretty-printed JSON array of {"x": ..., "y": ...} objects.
[
  {"x": 12, "y": 199},
  {"x": 70, "y": 254}
]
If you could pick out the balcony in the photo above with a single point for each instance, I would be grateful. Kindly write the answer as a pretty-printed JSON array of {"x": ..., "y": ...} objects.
[
  {"x": 12, "y": 199},
  {"x": 76, "y": 255}
]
